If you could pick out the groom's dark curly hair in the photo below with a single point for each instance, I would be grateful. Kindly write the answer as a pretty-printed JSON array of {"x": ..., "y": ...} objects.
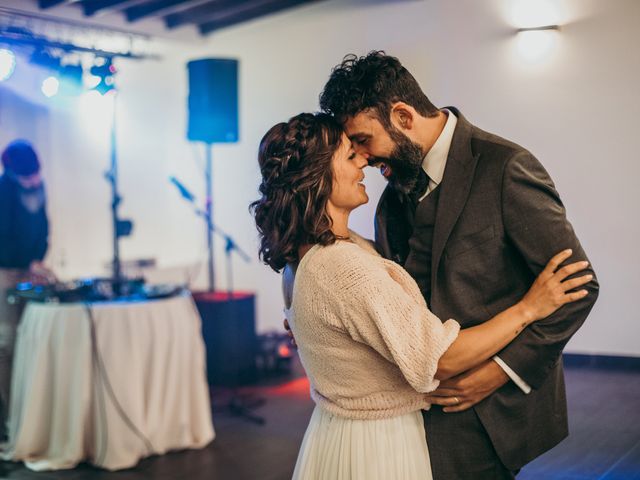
[{"x": 375, "y": 81}]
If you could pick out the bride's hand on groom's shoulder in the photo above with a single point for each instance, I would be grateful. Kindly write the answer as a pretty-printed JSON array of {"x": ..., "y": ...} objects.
[{"x": 554, "y": 287}]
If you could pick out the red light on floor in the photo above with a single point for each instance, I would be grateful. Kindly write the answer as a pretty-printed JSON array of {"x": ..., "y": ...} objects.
[{"x": 284, "y": 351}]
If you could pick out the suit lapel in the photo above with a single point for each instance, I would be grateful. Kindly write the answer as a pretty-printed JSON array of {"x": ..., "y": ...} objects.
[
  {"x": 454, "y": 190},
  {"x": 380, "y": 224}
]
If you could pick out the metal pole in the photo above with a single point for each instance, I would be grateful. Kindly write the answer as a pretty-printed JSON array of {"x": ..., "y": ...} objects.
[
  {"x": 229, "y": 275},
  {"x": 117, "y": 267},
  {"x": 209, "y": 210}
]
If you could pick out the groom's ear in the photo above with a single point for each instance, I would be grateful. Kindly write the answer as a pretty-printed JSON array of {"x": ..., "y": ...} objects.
[{"x": 402, "y": 116}]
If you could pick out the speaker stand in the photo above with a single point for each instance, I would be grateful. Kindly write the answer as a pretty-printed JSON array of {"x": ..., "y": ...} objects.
[
  {"x": 240, "y": 405},
  {"x": 209, "y": 214}
]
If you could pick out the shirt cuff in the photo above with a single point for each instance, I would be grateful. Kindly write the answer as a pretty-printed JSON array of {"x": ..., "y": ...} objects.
[{"x": 515, "y": 378}]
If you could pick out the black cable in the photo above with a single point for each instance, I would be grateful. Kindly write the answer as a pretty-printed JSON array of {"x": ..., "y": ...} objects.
[
  {"x": 101, "y": 372},
  {"x": 99, "y": 392},
  {"x": 102, "y": 408}
]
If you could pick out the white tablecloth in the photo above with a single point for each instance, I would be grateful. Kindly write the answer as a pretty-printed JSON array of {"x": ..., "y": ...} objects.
[{"x": 61, "y": 410}]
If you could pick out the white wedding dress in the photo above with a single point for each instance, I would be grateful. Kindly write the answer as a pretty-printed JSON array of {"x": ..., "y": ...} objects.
[{"x": 337, "y": 448}]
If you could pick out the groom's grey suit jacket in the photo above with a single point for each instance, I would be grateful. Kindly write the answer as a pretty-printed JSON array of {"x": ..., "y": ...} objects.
[{"x": 499, "y": 220}]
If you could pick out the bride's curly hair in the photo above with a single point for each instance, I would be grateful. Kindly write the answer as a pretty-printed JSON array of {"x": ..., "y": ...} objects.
[{"x": 297, "y": 178}]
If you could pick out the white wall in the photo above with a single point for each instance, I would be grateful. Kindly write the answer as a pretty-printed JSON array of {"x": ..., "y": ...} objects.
[{"x": 576, "y": 110}]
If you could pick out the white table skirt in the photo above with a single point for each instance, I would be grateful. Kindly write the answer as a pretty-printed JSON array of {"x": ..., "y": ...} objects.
[{"x": 61, "y": 412}]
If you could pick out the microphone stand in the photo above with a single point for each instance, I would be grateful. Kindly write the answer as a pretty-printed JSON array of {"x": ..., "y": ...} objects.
[
  {"x": 238, "y": 405},
  {"x": 208, "y": 216},
  {"x": 230, "y": 247},
  {"x": 230, "y": 244}
]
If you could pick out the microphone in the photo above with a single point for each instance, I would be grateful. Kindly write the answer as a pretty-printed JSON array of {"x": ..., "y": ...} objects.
[{"x": 184, "y": 191}]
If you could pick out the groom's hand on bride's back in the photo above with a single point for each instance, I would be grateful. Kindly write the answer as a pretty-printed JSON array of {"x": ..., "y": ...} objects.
[{"x": 469, "y": 388}]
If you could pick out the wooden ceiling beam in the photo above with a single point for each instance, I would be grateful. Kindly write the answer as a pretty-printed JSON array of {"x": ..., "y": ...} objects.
[
  {"x": 98, "y": 6},
  {"x": 158, "y": 8},
  {"x": 255, "y": 10},
  {"x": 44, "y": 4},
  {"x": 203, "y": 13}
]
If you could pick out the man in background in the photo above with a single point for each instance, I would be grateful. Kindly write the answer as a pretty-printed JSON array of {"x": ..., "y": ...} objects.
[{"x": 24, "y": 231}]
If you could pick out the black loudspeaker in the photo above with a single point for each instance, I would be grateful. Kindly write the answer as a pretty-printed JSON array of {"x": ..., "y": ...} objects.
[
  {"x": 229, "y": 333},
  {"x": 213, "y": 100}
]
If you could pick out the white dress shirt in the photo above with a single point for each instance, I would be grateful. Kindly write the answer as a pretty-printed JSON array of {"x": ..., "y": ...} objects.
[{"x": 434, "y": 164}]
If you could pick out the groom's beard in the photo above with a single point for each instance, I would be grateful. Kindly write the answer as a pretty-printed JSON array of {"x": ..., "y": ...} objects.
[{"x": 405, "y": 162}]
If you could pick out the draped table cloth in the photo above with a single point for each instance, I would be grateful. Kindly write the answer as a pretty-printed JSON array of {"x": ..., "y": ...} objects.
[{"x": 108, "y": 383}]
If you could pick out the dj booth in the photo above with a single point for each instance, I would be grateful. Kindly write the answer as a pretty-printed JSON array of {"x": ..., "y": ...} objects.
[{"x": 108, "y": 382}]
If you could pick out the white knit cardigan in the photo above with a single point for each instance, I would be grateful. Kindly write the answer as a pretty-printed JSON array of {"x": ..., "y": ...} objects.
[{"x": 368, "y": 342}]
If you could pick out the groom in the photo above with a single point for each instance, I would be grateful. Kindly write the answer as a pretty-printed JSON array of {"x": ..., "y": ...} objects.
[{"x": 474, "y": 218}]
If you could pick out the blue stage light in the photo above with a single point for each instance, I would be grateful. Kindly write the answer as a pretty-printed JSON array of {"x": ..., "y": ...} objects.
[
  {"x": 50, "y": 86},
  {"x": 105, "y": 71},
  {"x": 71, "y": 79},
  {"x": 7, "y": 63},
  {"x": 91, "y": 81},
  {"x": 44, "y": 58}
]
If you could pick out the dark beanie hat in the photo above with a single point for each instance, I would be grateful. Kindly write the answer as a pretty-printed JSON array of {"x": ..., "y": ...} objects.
[{"x": 20, "y": 158}]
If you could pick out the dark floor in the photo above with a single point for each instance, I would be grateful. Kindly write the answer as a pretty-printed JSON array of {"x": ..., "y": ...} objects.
[{"x": 604, "y": 443}]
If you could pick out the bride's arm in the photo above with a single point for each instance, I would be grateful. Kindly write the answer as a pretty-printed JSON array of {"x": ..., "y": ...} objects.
[
  {"x": 288, "y": 277},
  {"x": 548, "y": 293},
  {"x": 377, "y": 309}
]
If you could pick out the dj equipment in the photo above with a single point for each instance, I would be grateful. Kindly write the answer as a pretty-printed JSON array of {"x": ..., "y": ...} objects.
[{"x": 91, "y": 290}]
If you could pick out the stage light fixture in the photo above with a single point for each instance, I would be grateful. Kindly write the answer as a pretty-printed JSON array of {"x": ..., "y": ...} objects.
[
  {"x": 90, "y": 81},
  {"x": 73, "y": 73},
  {"x": 43, "y": 58},
  {"x": 106, "y": 85},
  {"x": 105, "y": 71},
  {"x": 50, "y": 86},
  {"x": 71, "y": 79},
  {"x": 7, "y": 64}
]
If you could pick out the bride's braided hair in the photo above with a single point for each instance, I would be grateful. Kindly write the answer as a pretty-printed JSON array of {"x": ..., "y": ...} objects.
[{"x": 295, "y": 162}]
